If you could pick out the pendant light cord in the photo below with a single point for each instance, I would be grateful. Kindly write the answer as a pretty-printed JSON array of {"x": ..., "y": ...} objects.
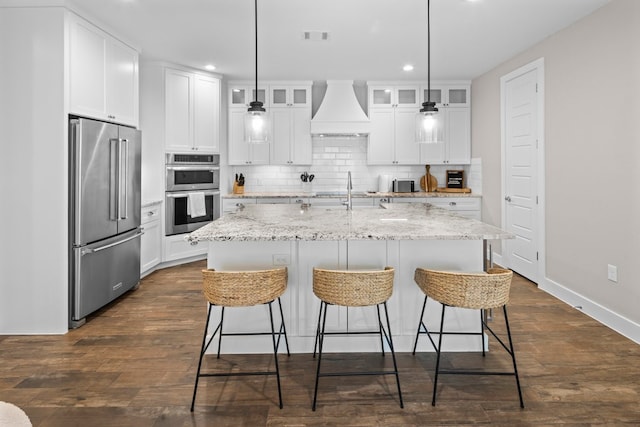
[
  {"x": 256, "y": 34},
  {"x": 428, "y": 51}
]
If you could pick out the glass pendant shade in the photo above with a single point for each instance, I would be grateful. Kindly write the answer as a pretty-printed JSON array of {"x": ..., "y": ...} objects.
[
  {"x": 428, "y": 125},
  {"x": 257, "y": 126}
]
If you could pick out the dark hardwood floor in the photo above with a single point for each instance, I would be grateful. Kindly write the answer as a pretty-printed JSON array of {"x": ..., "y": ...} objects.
[{"x": 133, "y": 364}]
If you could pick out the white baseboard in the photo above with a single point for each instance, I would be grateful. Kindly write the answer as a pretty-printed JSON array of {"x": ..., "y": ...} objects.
[
  {"x": 173, "y": 263},
  {"x": 618, "y": 323}
]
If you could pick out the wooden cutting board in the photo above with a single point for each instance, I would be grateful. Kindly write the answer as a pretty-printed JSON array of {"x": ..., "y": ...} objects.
[{"x": 428, "y": 182}]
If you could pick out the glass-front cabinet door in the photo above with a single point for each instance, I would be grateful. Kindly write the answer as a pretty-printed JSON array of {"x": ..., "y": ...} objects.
[
  {"x": 394, "y": 96},
  {"x": 290, "y": 96},
  {"x": 445, "y": 95},
  {"x": 242, "y": 95}
]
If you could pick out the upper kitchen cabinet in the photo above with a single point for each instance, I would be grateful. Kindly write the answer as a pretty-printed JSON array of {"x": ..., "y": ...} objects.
[
  {"x": 290, "y": 95},
  {"x": 289, "y": 107},
  {"x": 240, "y": 151},
  {"x": 391, "y": 96},
  {"x": 240, "y": 95},
  {"x": 454, "y": 103},
  {"x": 448, "y": 94},
  {"x": 291, "y": 124},
  {"x": 392, "y": 111},
  {"x": 103, "y": 75},
  {"x": 192, "y": 111}
]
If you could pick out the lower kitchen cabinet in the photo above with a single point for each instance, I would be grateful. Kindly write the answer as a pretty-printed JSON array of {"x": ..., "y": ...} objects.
[
  {"x": 177, "y": 248},
  {"x": 469, "y": 207},
  {"x": 151, "y": 241}
]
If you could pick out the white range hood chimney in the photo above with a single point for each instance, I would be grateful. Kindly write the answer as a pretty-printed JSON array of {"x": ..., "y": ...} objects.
[{"x": 340, "y": 113}]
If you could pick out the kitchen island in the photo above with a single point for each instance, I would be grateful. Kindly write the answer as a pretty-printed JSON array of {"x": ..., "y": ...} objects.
[{"x": 300, "y": 237}]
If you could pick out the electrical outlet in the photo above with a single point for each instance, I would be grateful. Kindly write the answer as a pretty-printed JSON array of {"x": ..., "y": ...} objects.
[
  {"x": 281, "y": 259},
  {"x": 612, "y": 273}
]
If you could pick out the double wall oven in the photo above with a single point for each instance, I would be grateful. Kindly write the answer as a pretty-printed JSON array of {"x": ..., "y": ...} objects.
[{"x": 191, "y": 180}]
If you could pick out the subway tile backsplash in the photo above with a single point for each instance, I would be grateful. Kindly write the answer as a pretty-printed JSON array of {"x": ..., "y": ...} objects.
[{"x": 333, "y": 157}]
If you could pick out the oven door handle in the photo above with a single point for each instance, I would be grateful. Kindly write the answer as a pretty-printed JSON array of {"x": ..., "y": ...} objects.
[
  {"x": 180, "y": 195},
  {"x": 193, "y": 168}
]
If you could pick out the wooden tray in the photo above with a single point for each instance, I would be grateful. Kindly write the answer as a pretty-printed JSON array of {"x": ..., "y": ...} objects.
[{"x": 453, "y": 190}]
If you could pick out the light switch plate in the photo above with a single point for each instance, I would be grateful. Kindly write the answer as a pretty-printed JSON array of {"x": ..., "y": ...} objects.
[{"x": 612, "y": 273}]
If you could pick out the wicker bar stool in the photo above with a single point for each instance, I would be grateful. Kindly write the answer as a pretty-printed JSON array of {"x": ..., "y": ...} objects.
[
  {"x": 480, "y": 291},
  {"x": 243, "y": 289},
  {"x": 354, "y": 289}
]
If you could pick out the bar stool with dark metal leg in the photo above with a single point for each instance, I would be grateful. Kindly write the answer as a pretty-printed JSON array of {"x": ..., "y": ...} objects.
[
  {"x": 243, "y": 289},
  {"x": 482, "y": 291},
  {"x": 354, "y": 289}
]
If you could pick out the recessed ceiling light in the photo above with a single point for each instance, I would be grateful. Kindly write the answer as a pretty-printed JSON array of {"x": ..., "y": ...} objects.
[
  {"x": 408, "y": 67},
  {"x": 210, "y": 67}
]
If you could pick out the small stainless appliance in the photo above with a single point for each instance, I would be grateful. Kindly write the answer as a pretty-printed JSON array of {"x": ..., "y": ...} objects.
[
  {"x": 187, "y": 172},
  {"x": 403, "y": 186},
  {"x": 191, "y": 177},
  {"x": 104, "y": 214}
]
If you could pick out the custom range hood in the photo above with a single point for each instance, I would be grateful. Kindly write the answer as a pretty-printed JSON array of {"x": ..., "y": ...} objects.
[{"x": 340, "y": 113}]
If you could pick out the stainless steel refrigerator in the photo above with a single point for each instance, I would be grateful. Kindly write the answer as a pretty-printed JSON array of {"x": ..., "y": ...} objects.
[{"x": 104, "y": 214}]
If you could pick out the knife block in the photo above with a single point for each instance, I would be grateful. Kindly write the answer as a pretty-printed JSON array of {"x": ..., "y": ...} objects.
[{"x": 238, "y": 189}]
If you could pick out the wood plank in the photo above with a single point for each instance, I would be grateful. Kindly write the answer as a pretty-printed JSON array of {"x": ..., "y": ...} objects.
[{"x": 134, "y": 362}]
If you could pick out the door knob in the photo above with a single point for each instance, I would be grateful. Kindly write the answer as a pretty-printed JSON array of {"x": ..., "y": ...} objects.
[{"x": 508, "y": 198}]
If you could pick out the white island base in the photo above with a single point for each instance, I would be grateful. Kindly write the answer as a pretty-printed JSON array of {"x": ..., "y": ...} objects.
[{"x": 301, "y": 306}]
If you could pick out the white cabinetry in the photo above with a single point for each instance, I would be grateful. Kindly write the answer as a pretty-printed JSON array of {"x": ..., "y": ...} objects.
[
  {"x": 151, "y": 242},
  {"x": 291, "y": 136},
  {"x": 241, "y": 94},
  {"x": 285, "y": 94},
  {"x": 192, "y": 111},
  {"x": 453, "y": 102},
  {"x": 177, "y": 248},
  {"x": 469, "y": 207},
  {"x": 289, "y": 106},
  {"x": 392, "y": 111},
  {"x": 466, "y": 206},
  {"x": 103, "y": 75},
  {"x": 241, "y": 152}
]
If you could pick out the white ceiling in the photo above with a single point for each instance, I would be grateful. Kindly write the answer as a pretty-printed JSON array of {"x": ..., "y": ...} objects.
[{"x": 368, "y": 39}]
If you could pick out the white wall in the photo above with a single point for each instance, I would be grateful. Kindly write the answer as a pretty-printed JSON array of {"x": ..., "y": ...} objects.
[
  {"x": 33, "y": 187},
  {"x": 592, "y": 156}
]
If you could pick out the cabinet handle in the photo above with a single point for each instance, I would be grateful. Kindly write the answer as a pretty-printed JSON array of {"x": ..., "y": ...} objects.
[
  {"x": 508, "y": 198},
  {"x": 452, "y": 203}
]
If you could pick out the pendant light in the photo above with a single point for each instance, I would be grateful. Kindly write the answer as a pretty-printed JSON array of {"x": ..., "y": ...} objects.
[
  {"x": 256, "y": 122},
  {"x": 428, "y": 120}
]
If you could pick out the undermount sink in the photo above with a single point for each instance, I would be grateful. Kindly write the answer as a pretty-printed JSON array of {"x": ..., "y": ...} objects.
[
  {"x": 339, "y": 193},
  {"x": 354, "y": 207}
]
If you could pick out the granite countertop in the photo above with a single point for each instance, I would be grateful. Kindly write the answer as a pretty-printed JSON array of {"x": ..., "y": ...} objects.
[
  {"x": 355, "y": 194},
  {"x": 406, "y": 221}
]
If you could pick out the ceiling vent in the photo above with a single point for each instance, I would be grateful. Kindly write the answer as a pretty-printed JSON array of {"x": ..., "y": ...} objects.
[{"x": 317, "y": 36}]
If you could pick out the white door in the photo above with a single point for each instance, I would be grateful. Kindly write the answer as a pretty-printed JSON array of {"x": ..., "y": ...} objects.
[{"x": 522, "y": 131}]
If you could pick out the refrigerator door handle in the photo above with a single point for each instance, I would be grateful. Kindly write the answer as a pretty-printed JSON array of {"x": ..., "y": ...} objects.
[
  {"x": 114, "y": 179},
  {"x": 101, "y": 248},
  {"x": 125, "y": 180},
  {"x": 119, "y": 175},
  {"x": 75, "y": 144}
]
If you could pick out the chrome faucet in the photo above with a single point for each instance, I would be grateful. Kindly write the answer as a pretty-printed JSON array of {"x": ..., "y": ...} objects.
[{"x": 349, "y": 187}]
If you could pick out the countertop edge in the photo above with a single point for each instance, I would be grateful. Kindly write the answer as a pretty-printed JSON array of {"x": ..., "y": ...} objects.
[{"x": 275, "y": 195}]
